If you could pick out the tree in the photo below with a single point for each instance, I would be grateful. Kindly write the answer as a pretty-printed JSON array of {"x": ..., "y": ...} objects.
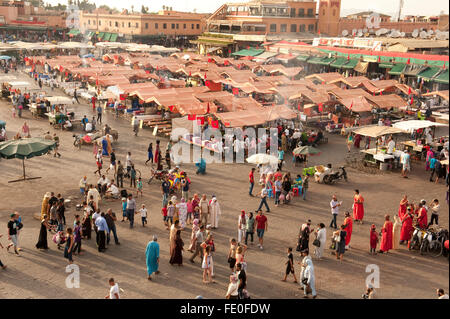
[{"x": 143, "y": 9}]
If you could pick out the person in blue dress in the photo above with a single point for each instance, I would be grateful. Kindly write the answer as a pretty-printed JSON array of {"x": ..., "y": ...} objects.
[{"x": 152, "y": 257}]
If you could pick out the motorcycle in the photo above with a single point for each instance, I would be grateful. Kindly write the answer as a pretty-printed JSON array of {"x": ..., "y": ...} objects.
[
  {"x": 159, "y": 175},
  {"x": 417, "y": 238},
  {"x": 335, "y": 176}
]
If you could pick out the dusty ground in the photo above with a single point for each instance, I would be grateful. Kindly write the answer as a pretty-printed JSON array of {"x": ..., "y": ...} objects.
[{"x": 38, "y": 274}]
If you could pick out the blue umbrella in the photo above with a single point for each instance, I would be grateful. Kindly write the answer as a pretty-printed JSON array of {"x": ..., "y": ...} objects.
[
  {"x": 5, "y": 57},
  {"x": 86, "y": 56}
]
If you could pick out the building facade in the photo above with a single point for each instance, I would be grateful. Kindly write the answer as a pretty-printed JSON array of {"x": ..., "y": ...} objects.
[
  {"x": 167, "y": 23},
  {"x": 23, "y": 14},
  {"x": 265, "y": 17}
]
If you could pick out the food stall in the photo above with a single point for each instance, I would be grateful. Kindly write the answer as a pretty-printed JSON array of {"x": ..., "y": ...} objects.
[{"x": 378, "y": 156}]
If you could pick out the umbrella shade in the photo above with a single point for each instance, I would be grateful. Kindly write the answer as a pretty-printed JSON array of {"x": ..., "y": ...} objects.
[
  {"x": 25, "y": 148},
  {"x": 5, "y": 57},
  {"x": 306, "y": 150},
  {"x": 262, "y": 159}
]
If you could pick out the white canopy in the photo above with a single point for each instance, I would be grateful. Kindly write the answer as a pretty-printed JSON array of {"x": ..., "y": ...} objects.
[
  {"x": 413, "y": 125},
  {"x": 59, "y": 100},
  {"x": 18, "y": 84},
  {"x": 377, "y": 131}
]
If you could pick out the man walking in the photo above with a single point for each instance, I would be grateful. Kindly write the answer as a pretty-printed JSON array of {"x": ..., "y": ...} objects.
[
  {"x": 110, "y": 221},
  {"x": 99, "y": 114},
  {"x": 406, "y": 162},
  {"x": 204, "y": 210},
  {"x": 12, "y": 233},
  {"x": 102, "y": 230},
  {"x": 264, "y": 194},
  {"x": 131, "y": 208},
  {"x": 199, "y": 238},
  {"x": 261, "y": 227},
  {"x": 334, "y": 211},
  {"x": 152, "y": 257},
  {"x": 75, "y": 96},
  {"x": 120, "y": 173}
]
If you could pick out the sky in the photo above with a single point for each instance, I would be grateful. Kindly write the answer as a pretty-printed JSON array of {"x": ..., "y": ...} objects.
[{"x": 413, "y": 7}]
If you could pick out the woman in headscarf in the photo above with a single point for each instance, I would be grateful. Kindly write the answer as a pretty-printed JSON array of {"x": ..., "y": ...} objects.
[
  {"x": 182, "y": 212},
  {"x": 44, "y": 206},
  {"x": 42, "y": 241},
  {"x": 402, "y": 208},
  {"x": 339, "y": 237},
  {"x": 195, "y": 228},
  {"x": 386, "y": 235},
  {"x": 407, "y": 226},
  {"x": 152, "y": 257},
  {"x": 86, "y": 226},
  {"x": 321, "y": 236},
  {"x": 214, "y": 210},
  {"x": 303, "y": 236},
  {"x": 348, "y": 222},
  {"x": 308, "y": 278},
  {"x": 396, "y": 232},
  {"x": 176, "y": 255},
  {"x": 358, "y": 207}
]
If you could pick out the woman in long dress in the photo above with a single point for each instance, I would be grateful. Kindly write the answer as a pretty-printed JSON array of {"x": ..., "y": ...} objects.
[
  {"x": 86, "y": 227},
  {"x": 176, "y": 255},
  {"x": 42, "y": 241},
  {"x": 339, "y": 236},
  {"x": 396, "y": 233},
  {"x": 309, "y": 279},
  {"x": 407, "y": 227},
  {"x": 214, "y": 209},
  {"x": 321, "y": 233},
  {"x": 386, "y": 237},
  {"x": 358, "y": 207},
  {"x": 402, "y": 208},
  {"x": 195, "y": 228},
  {"x": 348, "y": 222}
]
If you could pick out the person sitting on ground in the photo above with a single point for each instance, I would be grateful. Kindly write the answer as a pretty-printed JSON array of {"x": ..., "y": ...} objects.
[
  {"x": 67, "y": 125},
  {"x": 112, "y": 191},
  {"x": 88, "y": 127}
]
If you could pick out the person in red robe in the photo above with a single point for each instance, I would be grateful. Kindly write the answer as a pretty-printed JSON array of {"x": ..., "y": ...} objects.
[
  {"x": 386, "y": 235},
  {"x": 358, "y": 207},
  {"x": 357, "y": 141},
  {"x": 93, "y": 100},
  {"x": 373, "y": 240},
  {"x": 407, "y": 226},
  {"x": 402, "y": 208},
  {"x": 422, "y": 218},
  {"x": 348, "y": 222}
]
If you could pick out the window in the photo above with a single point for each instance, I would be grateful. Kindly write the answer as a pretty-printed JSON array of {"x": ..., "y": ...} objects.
[
  {"x": 198, "y": 26},
  {"x": 110, "y": 23},
  {"x": 137, "y": 25},
  {"x": 310, "y": 13},
  {"x": 293, "y": 28},
  {"x": 311, "y": 27},
  {"x": 129, "y": 24},
  {"x": 123, "y": 24},
  {"x": 156, "y": 25},
  {"x": 283, "y": 28},
  {"x": 173, "y": 25},
  {"x": 334, "y": 12},
  {"x": 99, "y": 22},
  {"x": 184, "y": 26},
  {"x": 89, "y": 22},
  {"x": 116, "y": 24},
  {"x": 301, "y": 13},
  {"x": 292, "y": 12},
  {"x": 273, "y": 28},
  {"x": 164, "y": 25},
  {"x": 192, "y": 26},
  {"x": 178, "y": 26},
  {"x": 146, "y": 25},
  {"x": 302, "y": 28}
]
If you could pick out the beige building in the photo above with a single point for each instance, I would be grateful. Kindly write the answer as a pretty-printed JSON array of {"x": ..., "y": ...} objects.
[{"x": 169, "y": 23}]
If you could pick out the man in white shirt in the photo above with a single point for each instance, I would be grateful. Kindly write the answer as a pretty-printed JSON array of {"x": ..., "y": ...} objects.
[
  {"x": 391, "y": 146},
  {"x": 114, "y": 290},
  {"x": 88, "y": 127},
  {"x": 112, "y": 191},
  {"x": 334, "y": 211},
  {"x": 102, "y": 184}
]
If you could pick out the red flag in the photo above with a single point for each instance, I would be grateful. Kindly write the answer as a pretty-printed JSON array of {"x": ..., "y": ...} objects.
[
  {"x": 323, "y": 82},
  {"x": 248, "y": 47},
  {"x": 318, "y": 32},
  {"x": 205, "y": 75},
  {"x": 207, "y": 108},
  {"x": 409, "y": 90},
  {"x": 428, "y": 91},
  {"x": 351, "y": 106},
  {"x": 320, "y": 107},
  {"x": 190, "y": 74},
  {"x": 60, "y": 68},
  {"x": 374, "y": 93},
  {"x": 122, "y": 97},
  {"x": 226, "y": 124},
  {"x": 298, "y": 106},
  {"x": 157, "y": 68},
  {"x": 381, "y": 92},
  {"x": 147, "y": 71},
  {"x": 412, "y": 100},
  {"x": 409, "y": 61},
  {"x": 191, "y": 117},
  {"x": 379, "y": 59},
  {"x": 207, "y": 83},
  {"x": 171, "y": 108},
  {"x": 444, "y": 65},
  {"x": 229, "y": 51},
  {"x": 348, "y": 57},
  {"x": 215, "y": 124},
  {"x": 235, "y": 91}
]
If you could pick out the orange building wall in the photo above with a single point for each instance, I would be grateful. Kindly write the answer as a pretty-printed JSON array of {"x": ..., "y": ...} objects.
[{"x": 329, "y": 14}]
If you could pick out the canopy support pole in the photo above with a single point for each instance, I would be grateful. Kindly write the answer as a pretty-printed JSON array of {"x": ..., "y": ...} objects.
[{"x": 24, "y": 176}]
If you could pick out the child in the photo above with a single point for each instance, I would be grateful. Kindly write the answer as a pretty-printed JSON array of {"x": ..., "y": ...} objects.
[
  {"x": 197, "y": 212},
  {"x": 190, "y": 210},
  {"x": 124, "y": 208},
  {"x": 139, "y": 187},
  {"x": 290, "y": 266},
  {"x": 77, "y": 237},
  {"x": 164, "y": 213},
  {"x": 206, "y": 264},
  {"x": 170, "y": 212},
  {"x": 143, "y": 212},
  {"x": 373, "y": 240}
]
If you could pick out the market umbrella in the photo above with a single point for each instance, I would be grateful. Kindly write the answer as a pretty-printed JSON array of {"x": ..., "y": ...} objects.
[
  {"x": 262, "y": 158},
  {"x": 306, "y": 150},
  {"x": 25, "y": 148},
  {"x": 5, "y": 57}
]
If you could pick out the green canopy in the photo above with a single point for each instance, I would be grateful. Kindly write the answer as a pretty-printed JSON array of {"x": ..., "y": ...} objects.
[
  {"x": 350, "y": 64},
  {"x": 385, "y": 65},
  {"x": 107, "y": 36},
  {"x": 442, "y": 77},
  {"x": 113, "y": 37},
  {"x": 339, "y": 62},
  {"x": 101, "y": 35},
  {"x": 326, "y": 61},
  {"x": 306, "y": 150},
  {"x": 429, "y": 73},
  {"x": 74, "y": 32},
  {"x": 397, "y": 69},
  {"x": 89, "y": 34},
  {"x": 25, "y": 148},
  {"x": 303, "y": 58},
  {"x": 248, "y": 52}
]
